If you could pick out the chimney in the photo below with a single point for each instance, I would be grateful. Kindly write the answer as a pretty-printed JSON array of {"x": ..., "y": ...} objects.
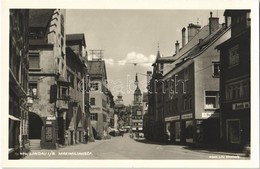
[
  {"x": 183, "y": 31},
  {"x": 177, "y": 48},
  {"x": 193, "y": 30},
  {"x": 213, "y": 23}
]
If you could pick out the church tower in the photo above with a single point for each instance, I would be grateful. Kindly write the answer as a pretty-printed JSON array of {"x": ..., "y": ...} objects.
[{"x": 137, "y": 93}]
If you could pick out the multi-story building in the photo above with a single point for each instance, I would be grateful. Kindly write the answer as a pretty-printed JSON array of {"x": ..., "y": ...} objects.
[
  {"x": 153, "y": 120},
  {"x": 77, "y": 121},
  {"x": 111, "y": 110},
  {"x": 98, "y": 97},
  {"x": 235, "y": 80},
  {"x": 191, "y": 109},
  {"x": 18, "y": 83},
  {"x": 47, "y": 78},
  {"x": 187, "y": 95}
]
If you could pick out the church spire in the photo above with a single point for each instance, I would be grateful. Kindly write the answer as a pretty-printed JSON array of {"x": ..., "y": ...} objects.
[
  {"x": 158, "y": 51},
  {"x": 136, "y": 80}
]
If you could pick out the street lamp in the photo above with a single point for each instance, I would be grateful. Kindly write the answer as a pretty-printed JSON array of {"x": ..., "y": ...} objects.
[{"x": 29, "y": 97}]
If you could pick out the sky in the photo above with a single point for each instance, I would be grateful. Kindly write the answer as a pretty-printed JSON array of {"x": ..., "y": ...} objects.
[{"x": 132, "y": 36}]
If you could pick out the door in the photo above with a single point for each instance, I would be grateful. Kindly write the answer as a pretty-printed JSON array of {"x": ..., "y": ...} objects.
[{"x": 233, "y": 131}]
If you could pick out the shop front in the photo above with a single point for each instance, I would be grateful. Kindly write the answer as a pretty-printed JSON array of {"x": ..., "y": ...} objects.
[{"x": 180, "y": 129}]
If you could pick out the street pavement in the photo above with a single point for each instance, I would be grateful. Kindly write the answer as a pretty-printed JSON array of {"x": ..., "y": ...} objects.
[{"x": 131, "y": 149}]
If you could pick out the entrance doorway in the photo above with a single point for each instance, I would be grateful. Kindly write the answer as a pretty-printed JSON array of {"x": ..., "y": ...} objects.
[{"x": 35, "y": 126}]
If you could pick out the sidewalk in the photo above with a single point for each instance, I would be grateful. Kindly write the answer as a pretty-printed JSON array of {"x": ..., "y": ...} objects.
[
  {"x": 202, "y": 149},
  {"x": 217, "y": 151}
]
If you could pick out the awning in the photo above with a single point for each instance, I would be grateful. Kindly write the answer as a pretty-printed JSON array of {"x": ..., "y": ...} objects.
[{"x": 13, "y": 118}]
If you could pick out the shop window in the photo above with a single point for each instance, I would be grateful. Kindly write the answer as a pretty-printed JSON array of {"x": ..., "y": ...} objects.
[
  {"x": 215, "y": 68},
  {"x": 34, "y": 60},
  {"x": 233, "y": 131},
  {"x": 211, "y": 99},
  {"x": 33, "y": 88},
  {"x": 233, "y": 56},
  {"x": 92, "y": 101},
  {"x": 93, "y": 116}
]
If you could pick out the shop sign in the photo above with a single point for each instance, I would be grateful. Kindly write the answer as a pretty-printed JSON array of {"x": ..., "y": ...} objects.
[
  {"x": 51, "y": 118},
  {"x": 172, "y": 118},
  {"x": 209, "y": 114},
  {"x": 95, "y": 108},
  {"x": 49, "y": 122},
  {"x": 137, "y": 121},
  {"x": 242, "y": 105},
  {"x": 186, "y": 116}
]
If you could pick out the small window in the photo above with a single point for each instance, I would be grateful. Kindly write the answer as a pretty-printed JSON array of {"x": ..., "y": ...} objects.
[
  {"x": 233, "y": 56},
  {"x": 93, "y": 86},
  {"x": 187, "y": 102},
  {"x": 34, "y": 60},
  {"x": 215, "y": 69},
  {"x": 92, "y": 101},
  {"x": 70, "y": 78},
  {"x": 93, "y": 117},
  {"x": 211, "y": 99},
  {"x": 186, "y": 74},
  {"x": 104, "y": 118}
]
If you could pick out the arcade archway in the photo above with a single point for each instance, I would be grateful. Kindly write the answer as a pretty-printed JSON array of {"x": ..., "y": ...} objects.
[{"x": 35, "y": 126}]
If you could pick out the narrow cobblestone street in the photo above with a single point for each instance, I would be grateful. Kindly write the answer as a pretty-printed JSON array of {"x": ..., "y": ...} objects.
[{"x": 128, "y": 148}]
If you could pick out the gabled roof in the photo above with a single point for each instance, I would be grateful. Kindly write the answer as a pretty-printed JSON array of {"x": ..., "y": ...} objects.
[
  {"x": 200, "y": 47},
  {"x": 76, "y": 37},
  {"x": 40, "y": 17},
  {"x": 97, "y": 68}
]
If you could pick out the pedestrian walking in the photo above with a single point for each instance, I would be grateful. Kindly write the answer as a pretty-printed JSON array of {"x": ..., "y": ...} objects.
[{"x": 86, "y": 137}]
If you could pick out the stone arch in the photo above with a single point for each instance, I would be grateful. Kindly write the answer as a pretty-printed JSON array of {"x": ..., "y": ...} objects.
[{"x": 35, "y": 126}]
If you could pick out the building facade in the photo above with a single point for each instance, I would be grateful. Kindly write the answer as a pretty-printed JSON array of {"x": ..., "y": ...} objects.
[
  {"x": 186, "y": 91},
  {"x": 77, "y": 116},
  {"x": 18, "y": 83},
  {"x": 191, "y": 109},
  {"x": 235, "y": 80},
  {"x": 98, "y": 98},
  {"x": 47, "y": 78}
]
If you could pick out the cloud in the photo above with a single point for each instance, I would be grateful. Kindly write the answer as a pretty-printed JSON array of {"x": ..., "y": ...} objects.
[
  {"x": 132, "y": 58},
  {"x": 138, "y": 58}
]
